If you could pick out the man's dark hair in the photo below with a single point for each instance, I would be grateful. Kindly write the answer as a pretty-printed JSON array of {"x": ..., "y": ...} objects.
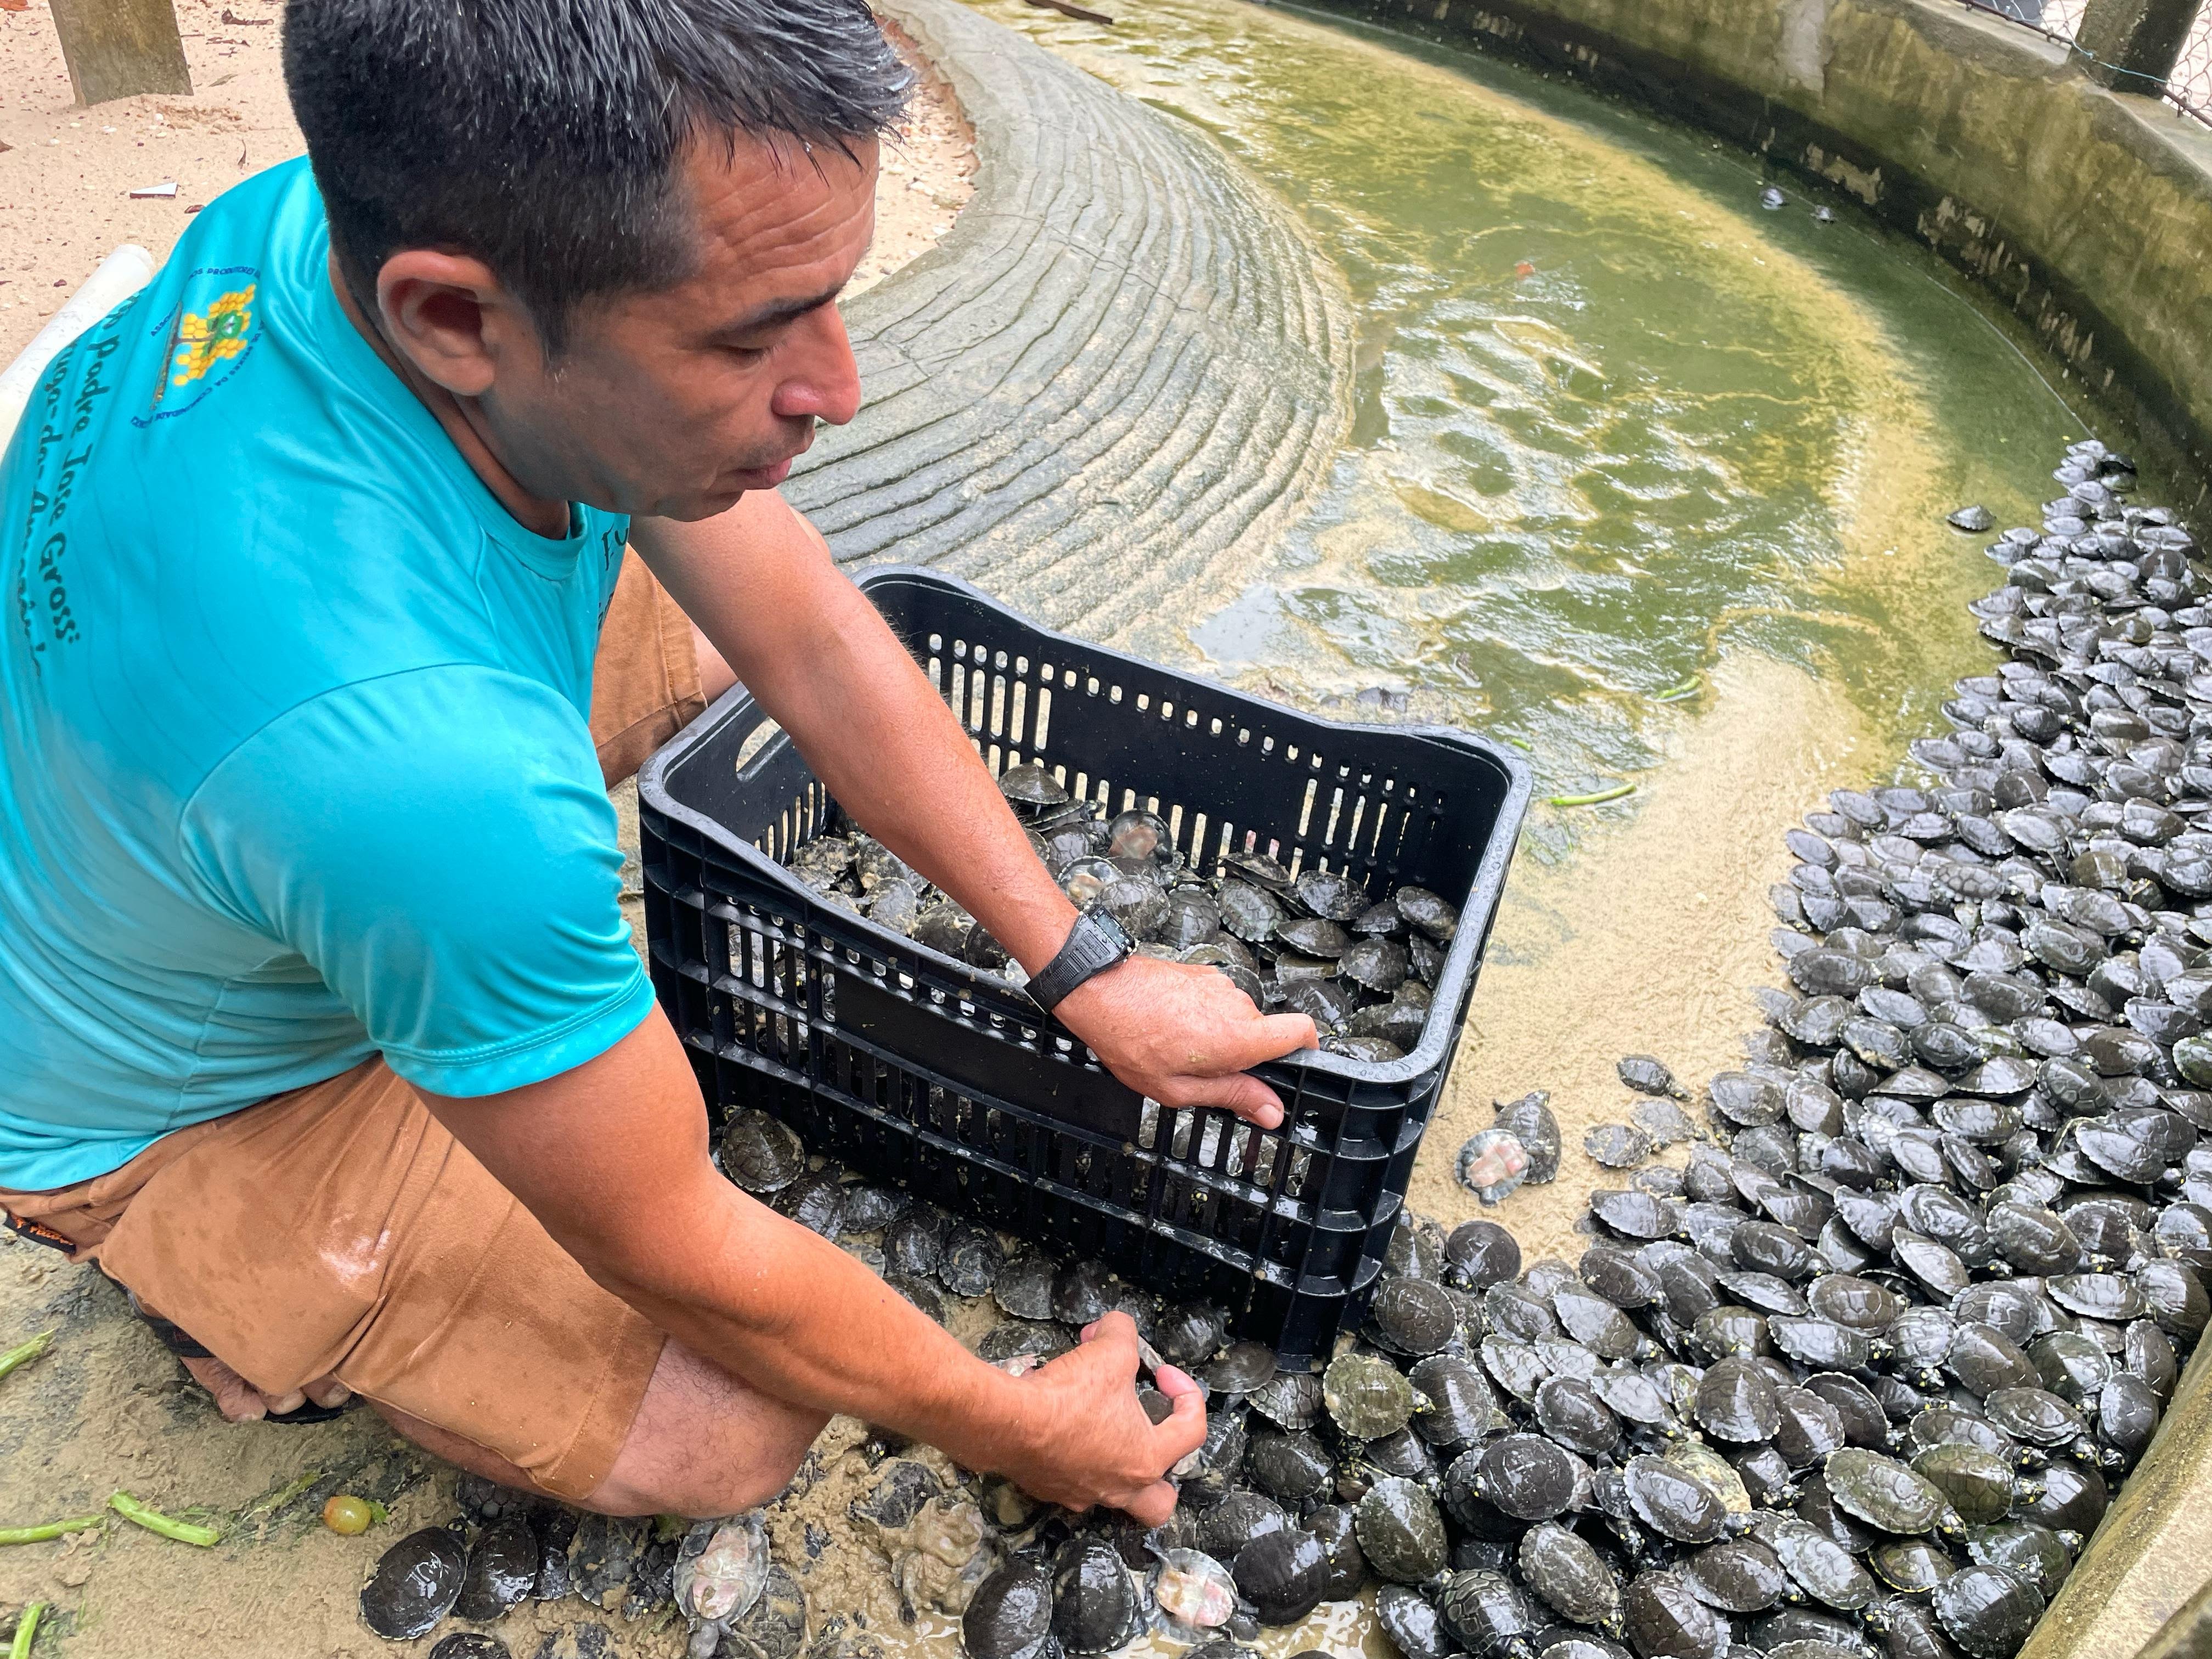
[{"x": 543, "y": 136}]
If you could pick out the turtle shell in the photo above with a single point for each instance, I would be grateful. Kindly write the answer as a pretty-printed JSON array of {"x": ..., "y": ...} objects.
[
  {"x": 1366, "y": 1396},
  {"x": 1411, "y": 1317},
  {"x": 1883, "y": 1492},
  {"x": 762, "y": 1154},
  {"x": 1527, "y": 1476},
  {"x": 1737, "y": 1575},
  {"x": 1988, "y": 1611},
  {"x": 1401, "y": 1532},
  {"x": 1673, "y": 1503},
  {"x": 1736, "y": 1402}
]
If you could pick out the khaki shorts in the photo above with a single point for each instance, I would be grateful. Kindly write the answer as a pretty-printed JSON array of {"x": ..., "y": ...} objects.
[{"x": 339, "y": 1230}]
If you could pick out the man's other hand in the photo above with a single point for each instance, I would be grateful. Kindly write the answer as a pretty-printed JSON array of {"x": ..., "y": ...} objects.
[
  {"x": 239, "y": 1401},
  {"x": 1184, "y": 1036},
  {"x": 1095, "y": 1445}
]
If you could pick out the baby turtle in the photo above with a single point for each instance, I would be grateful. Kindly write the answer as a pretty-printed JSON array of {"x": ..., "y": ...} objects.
[
  {"x": 1095, "y": 1606},
  {"x": 416, "y": 1584},
  {"x": 1030, "y": 785},
  {"x": 1426, "y": 911},
  {"x": 1329, "y": 894},
  {"x": 1987, "y": 1611},
  {"x": 1646, "y": 1074},
  {"x": 721, "y": 1568},
  {"x": 1492, "y": 1165},
  {"x": 970, "y": 1264},
  {"x": 1976, "y": 1481},
  {"x": 1485, "y": 1612},
  {"x": 1527, "y": 1476},
  {"x": 1460, "y": 1407},
  {"x": 1822, "y": 1568},
  {"x": 1283, "y": 1575},
  {"x": 1569, "y": 1410},
  {"x": 1668, "y": 1124},
  {"x": 1736, "y": 1402},
  {"x": 1249, "y": 913},
  {"x": 1023, "y": 1289},
  {"x": 1664, "y": 1619},
  {"x": 1138, "y": 834},
  {"x": 1193, "y": 1592},
  {"x": 1570, "y": 1576},
  {"x": 1411, "y": 1622},
  {"x": 1313, "y": 936},
  {"x": 1240, "y": 1368},
  {"x": 503, "y": 1568},
  {"x": 1480, "y": 1254},
  {"x": 1400, "y": 1530},
  {"x": 1190, "y": 1331},
  {"x": 1737, "y": 1575},
  {"x": 762, "y": 1154},
  {"x": 1293, "y": 1467},
  {"x": 1410, "y": 1316},
  {"x": 1616, "y": 1145},
  {"x": 1290, "y": 1400},
  {"x": 1010, "y": 1614},
  {"x": 1366, "y": 1396},
  {"x": 1673, "y": 1503},
  {"x": 1884, "y": 1493}
]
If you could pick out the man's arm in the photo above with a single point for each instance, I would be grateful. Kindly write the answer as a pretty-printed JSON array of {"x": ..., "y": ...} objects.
[
  {"x": 612, "y": 1158},
  {"x": 759, "y": 582}
]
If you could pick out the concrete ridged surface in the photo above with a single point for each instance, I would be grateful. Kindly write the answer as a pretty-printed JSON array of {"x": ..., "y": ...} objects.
[{"x": 1109, "y": 383}]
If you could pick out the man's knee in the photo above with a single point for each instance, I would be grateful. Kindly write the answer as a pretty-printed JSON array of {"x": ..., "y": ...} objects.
[{"x": 703, "y": 1443}]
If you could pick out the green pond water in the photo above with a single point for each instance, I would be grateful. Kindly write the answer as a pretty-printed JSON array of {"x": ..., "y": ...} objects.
[{"x": 1613, "y": 417}]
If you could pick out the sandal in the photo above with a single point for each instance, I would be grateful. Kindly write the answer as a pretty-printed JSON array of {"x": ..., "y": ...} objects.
[{"x": 174, "y": 1338}]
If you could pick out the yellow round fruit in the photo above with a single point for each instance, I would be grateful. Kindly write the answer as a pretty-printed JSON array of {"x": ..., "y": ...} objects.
[{"x": 348, "y": 1516}]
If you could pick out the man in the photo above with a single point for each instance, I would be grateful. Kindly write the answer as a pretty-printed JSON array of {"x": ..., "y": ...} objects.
[{"x": 319, "y": 1026}]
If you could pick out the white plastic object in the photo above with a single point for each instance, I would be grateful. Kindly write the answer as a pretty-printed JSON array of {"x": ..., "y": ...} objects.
[{"x": 119, "y": 277}]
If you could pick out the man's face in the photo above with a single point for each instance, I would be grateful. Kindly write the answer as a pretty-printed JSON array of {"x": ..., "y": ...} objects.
[{"x": 675, "y": 403}]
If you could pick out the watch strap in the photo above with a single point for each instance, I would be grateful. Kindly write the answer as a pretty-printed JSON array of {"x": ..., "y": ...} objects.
[{"x": 1096, "y": 942}]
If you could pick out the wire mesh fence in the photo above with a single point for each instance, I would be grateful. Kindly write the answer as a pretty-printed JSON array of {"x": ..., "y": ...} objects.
[{"x": 2189, "y": 89}]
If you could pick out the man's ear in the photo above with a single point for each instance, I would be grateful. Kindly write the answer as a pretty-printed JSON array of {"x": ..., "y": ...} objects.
[{"x": 451, "y": 318}]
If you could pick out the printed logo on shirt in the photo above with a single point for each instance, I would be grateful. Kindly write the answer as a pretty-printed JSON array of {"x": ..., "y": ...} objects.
[{"x": 210, "y": 332}]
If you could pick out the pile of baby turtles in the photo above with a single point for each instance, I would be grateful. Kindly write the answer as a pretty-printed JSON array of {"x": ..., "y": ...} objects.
[
  {"x": 1312, "y": 941},
  {"x": 1859, "y": 1377}
]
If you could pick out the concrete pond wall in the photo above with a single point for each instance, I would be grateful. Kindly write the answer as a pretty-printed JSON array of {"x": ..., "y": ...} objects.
[{"x": 2088, "y": 213}]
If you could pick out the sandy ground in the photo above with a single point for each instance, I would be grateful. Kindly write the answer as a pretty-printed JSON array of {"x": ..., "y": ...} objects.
[
  {"x": 66, "y": 172},
  {"x": 105, "y": 1409}
]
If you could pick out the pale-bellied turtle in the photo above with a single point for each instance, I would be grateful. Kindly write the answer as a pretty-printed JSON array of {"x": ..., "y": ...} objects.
[
  {"x": 721, "y": 1568},
  {"x": 1030, "y": 785},
  {"x": 1529, "y": 1121},
  {"x": 762, "y": 1154},
  {"x": 1366, "y": 1396},
  {"x": 1283, "y": 1575},
  {"x": 1426, "y": 911},
  {"x": 1400, "y": 1530},
  {"x": 1492, "y": 1164},
  {"x": 1194, "y": 1593},
  {"x": 1138, "y": 834}
]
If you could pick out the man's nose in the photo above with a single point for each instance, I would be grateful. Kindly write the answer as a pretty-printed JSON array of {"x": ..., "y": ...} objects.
[{"x": 825, "y": 384}]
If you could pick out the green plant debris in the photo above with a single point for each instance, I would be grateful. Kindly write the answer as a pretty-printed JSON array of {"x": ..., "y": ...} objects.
[
  {"x": 290, "y": 1491},
  {"x": 24, "y": 1353},
  {"x": 27, "y": 1631},
  {"x": 1678, "y": 691},
  {"x": 154, "y": 1521},
  {"x": 48, "y": 1531},
  {"x": 1595, "y": 799}
]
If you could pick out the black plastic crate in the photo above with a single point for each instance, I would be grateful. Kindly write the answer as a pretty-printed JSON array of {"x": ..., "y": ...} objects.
[{"x": 940, "y": 1078}]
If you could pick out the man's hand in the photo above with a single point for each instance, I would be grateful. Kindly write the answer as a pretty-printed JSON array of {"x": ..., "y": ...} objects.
[
  {"x": 239, "y": 1401},
  {"x": 1184, "y": 1036},
  {"x": 1095, "y": 1445}
]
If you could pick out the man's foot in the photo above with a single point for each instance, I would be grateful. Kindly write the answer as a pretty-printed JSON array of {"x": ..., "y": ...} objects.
[{"x": 242, "y": 1402}]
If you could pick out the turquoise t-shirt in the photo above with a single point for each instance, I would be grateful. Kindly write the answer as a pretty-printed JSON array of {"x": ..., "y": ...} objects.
[{"x": 294, "y": 760}]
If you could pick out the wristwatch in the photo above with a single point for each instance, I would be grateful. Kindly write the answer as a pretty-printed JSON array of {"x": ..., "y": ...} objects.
[{"x": 1096, "y": 942}]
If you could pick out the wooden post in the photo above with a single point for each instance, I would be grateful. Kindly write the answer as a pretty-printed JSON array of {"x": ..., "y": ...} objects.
[
  {"x": 116, "y": 48},
  {"x": 2131, "y": 45}
]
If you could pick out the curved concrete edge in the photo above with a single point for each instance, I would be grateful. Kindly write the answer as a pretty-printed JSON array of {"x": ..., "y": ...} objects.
[
  {"x": 1121, "y": 369},
  {"x": 2088, "y": 213}
]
